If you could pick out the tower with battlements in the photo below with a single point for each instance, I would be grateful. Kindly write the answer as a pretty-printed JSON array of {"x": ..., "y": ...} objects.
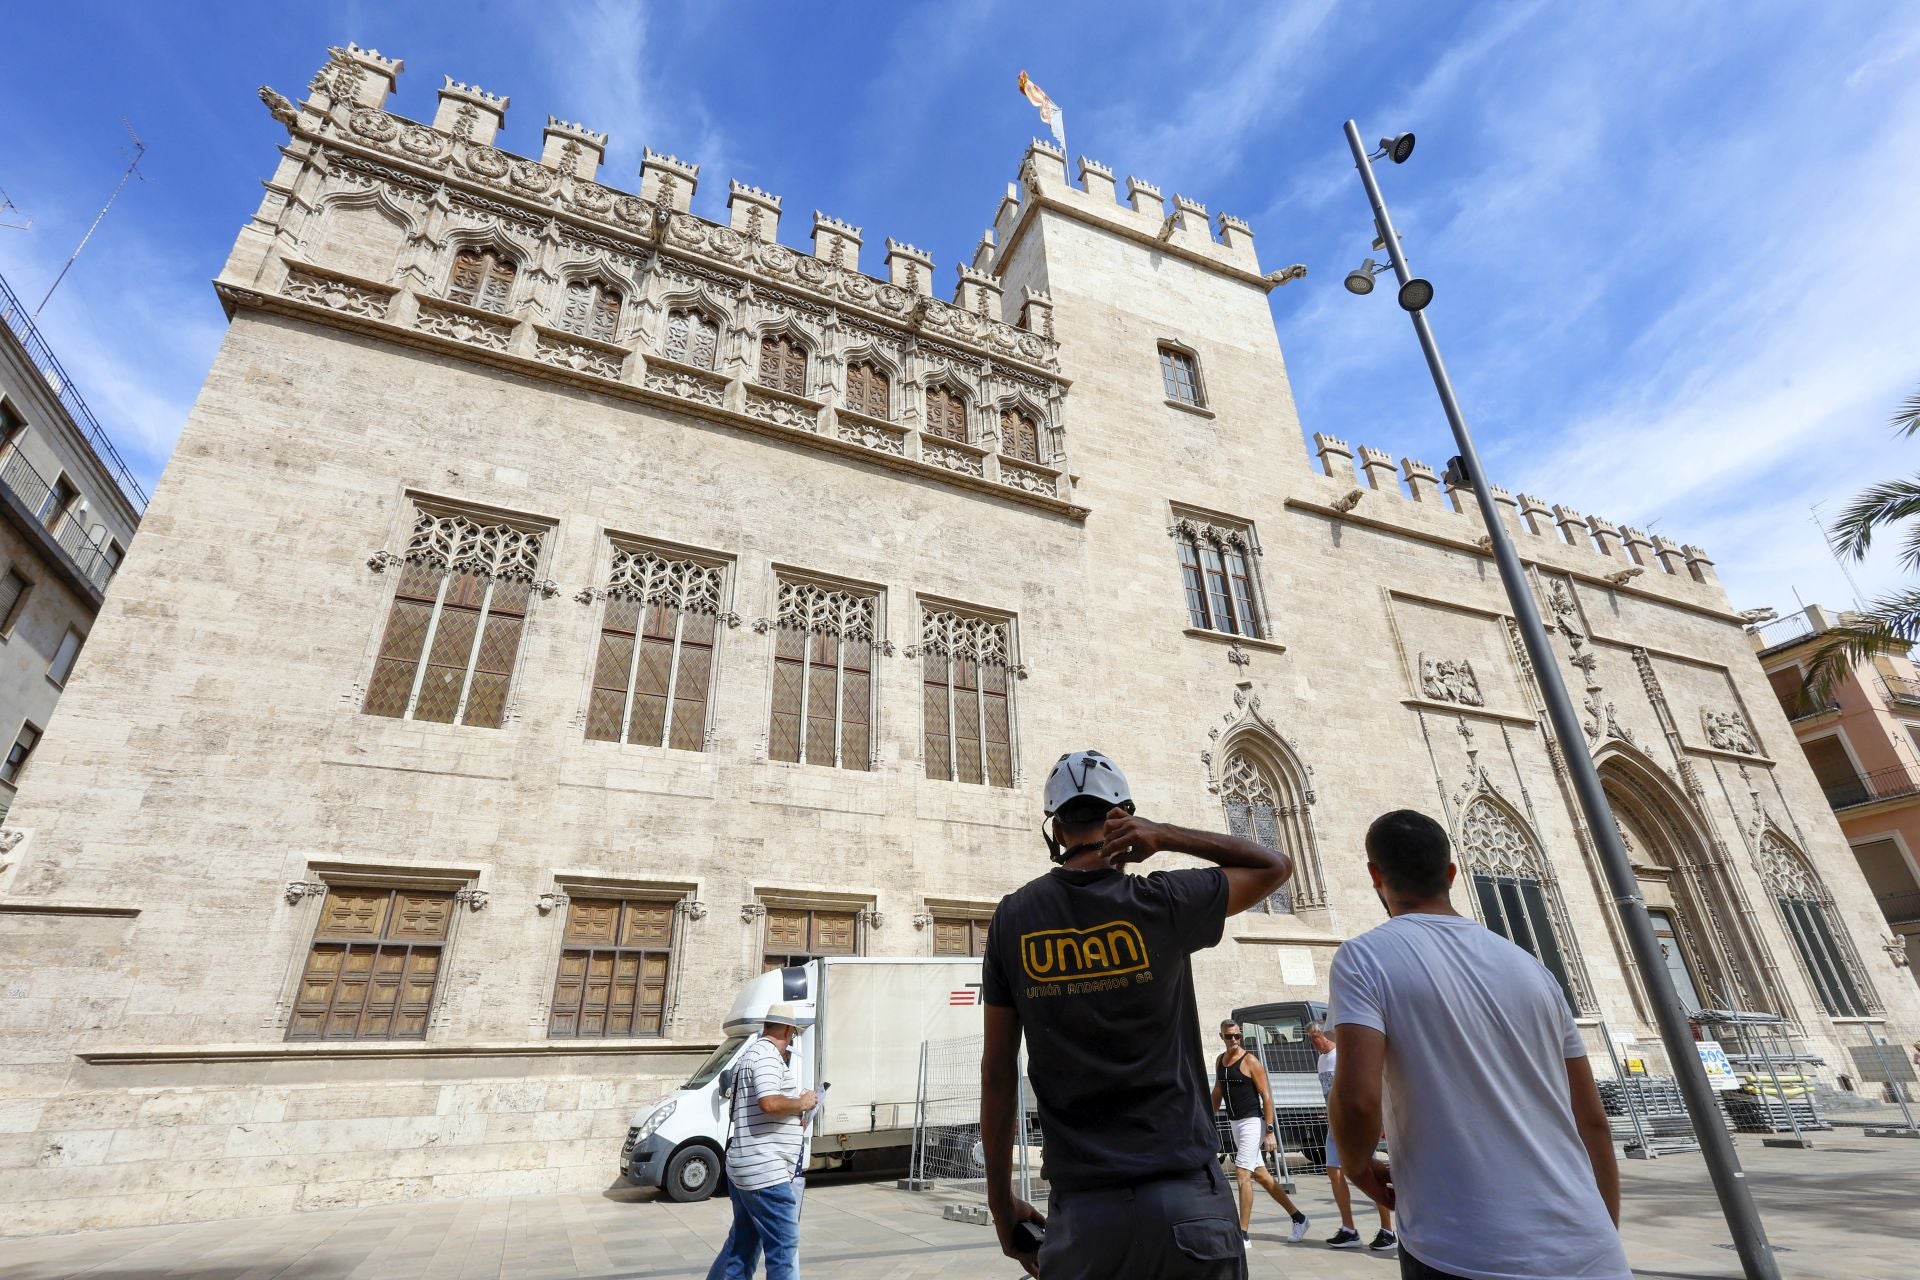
[{"x": 562, "y": 607}]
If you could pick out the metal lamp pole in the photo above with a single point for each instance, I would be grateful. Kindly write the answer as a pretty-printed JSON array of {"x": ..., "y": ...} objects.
[{"x": 1729, "y": 1181}]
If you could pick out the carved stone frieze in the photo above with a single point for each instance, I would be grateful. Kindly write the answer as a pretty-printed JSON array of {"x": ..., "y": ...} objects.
[
  {"x": 1450, "y": 680},
  {"x": 445, "y": 322},
  {"x": 1027, "y": 478},
  {"x": 577, "y": 356},
  {"x": 781, "y": 411},
  {"x": 964, "y": 461},
  {"x": 688, "y": 384},
  {"x": 1728, "y": 731},
  {"x": 874, "y": 435},
  {"x": 336, "y": 295}
]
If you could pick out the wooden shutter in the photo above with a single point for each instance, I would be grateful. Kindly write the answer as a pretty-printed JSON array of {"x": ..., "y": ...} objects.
[
  {"x": 497, "y": 294},
  {"x": 869, "y": 391},
  {"x": 833, "y": 933},
  {"x": 374, "y": 965},
  {"x": 612, "y": 977},
  {"x": 12, "y": 587},
  {"x": 786, "y": 929},
  {"x": 933, "y": 678},
  {"x": 469, "y": 273},
  {"x": 1019, "y": 436},
  {"x": 783, "y": 364},
  {"x": 959, "y": 936},
  {"x": 606, "y": 314},
  {"x": 612, "y": 667},
  {"x": 946, "y": 414},
  {"x": 789, "y": 650}
]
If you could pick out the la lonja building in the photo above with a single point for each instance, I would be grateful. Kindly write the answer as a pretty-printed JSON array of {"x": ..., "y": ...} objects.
[{"x": 561, "y": 607}]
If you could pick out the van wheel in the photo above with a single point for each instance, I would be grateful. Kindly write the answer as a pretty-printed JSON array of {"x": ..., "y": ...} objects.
[{"x": 692, "y": 1174}]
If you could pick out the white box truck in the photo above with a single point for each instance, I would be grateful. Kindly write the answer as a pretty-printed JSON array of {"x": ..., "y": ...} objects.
[{"x": 869, "y": 1018}]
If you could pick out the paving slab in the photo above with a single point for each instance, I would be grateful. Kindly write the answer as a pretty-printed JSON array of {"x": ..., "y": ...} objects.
[{"x": 1844, "y": 1209}]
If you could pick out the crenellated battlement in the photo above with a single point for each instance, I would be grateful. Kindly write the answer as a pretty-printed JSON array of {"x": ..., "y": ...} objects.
[{"x": 1529, "y": 518}]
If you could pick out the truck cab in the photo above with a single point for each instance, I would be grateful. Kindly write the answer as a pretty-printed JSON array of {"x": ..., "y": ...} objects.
[{"x": 868, "y": 1019}]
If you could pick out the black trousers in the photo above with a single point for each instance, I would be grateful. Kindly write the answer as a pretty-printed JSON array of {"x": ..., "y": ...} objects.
[
  {"x": 1411, "y": 1268},
  {"x": 1181, "y": 1227}
]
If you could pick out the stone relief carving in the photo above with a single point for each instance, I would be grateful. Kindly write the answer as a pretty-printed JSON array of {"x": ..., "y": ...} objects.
[
  {"x": 1450, "y": 680},
  {"x": 952, "y": 459},
  {"x": 577, "y": 356},
  {"x": 1728, "y": 731},
  {"x": 337, "y": 295},
  {"x": 444, "y": 322}
]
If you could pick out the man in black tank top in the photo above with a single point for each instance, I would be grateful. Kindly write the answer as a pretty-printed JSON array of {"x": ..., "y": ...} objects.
[
  {"x": 1091, "y": 966},
  {"x": 1238, "y": 1074}
]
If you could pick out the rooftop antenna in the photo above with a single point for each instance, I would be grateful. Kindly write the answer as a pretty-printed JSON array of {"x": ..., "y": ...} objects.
[
  {"x": 1813, "y": 514},
  {"x": 6, "y": 203},
  {"x": 139, "y": 149}
]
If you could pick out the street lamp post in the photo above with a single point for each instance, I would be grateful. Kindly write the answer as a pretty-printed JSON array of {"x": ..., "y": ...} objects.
[{"x": 1736, "y": 1201}]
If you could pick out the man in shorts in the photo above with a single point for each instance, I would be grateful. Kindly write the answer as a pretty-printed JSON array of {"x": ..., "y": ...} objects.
[
  {"x": 1347, "y": 1237},
  {"x": 1242, "y": 1081}
]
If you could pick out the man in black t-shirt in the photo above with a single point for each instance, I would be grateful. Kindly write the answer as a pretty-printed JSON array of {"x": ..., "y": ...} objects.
[{"x": 1092, "y": 966}]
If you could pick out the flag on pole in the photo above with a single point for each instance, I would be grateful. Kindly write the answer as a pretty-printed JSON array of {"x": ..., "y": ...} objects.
[{"x": 1050, "y": 113}]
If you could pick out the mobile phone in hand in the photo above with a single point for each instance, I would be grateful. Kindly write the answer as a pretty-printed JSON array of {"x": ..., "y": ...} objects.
[{"x": 1028, "y": 1236}]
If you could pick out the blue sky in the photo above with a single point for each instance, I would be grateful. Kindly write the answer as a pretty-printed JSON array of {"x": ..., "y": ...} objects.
[{"x": 1673, "y": 243}]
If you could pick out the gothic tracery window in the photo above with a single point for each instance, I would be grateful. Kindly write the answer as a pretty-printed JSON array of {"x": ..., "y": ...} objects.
[
  {"x": 946, "y": 414},
  {"x": 456, "y": 621},
  {"x": 1256, "y": 804},
  {"x": 482, "y": 278},
  {"x": 1218, "y": 576},
  {"x": 1508, "y": 882},
  {"x": 823, "y": 676},
  {"x": 692, "y": 338},
  {"x": 1019, "y": 435},
  {"x": 1808, "y": 911},
  {"x": 869, "y": 390},
  {"x": 783, "y": 364},
  {"x": 967, "y": 679},
  {"x": 592, "y": 310},
  {"x": 652, "y": 676}
]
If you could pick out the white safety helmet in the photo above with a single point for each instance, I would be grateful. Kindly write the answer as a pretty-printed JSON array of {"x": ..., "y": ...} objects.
[{"x": 1085, "y": 773}]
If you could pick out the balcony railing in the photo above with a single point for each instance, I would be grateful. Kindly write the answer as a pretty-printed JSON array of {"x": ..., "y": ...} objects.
[
  {"x": 1804, "y": 706},
  {"x": 1902, "y": 690},
  {"x": 1785, "y": 630},
  {"x": 1881, "y": 784},
  {"x": 20, "y": 320},
  {"x": 1902, "y": 907},
  {"x": 24, "y": 481}
]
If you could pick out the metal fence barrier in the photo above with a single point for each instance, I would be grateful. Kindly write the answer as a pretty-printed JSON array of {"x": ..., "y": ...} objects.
[{"x": 947, "y": 1154}]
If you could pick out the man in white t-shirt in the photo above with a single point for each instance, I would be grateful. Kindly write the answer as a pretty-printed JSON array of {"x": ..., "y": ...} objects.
[
  {"x": 769, "y": 1115},
  {"x": 1503, "y": 1164},
  {"x": 1348, "y": 1236}
]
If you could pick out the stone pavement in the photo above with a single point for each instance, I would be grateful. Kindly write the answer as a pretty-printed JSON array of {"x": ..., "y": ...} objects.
[{"x": 1843, "y": 1209}]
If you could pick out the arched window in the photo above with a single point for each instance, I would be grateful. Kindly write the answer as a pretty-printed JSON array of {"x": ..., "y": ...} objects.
[
  {"x": 592, "y": 310},
  {"x": 1219, "y": 583},
  {"x": 869, "y": 390},
  {"x": 1807, "y": 909},
  {"x": 1257, "y": 804},
  {"x": 1180, "y": 374},
  {"x": 692, "y": 338},
  {"x": 783, "y": 364},
  {"x": 482, "y": 278},
  {"x": 1508, "y": 882},
  {"x": 1019, "y": 435},
  {"x": 946, "y": 414}
]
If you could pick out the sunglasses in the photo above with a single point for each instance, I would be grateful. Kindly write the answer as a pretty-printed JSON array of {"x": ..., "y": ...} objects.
[{"x": 1229, "y": 1035}]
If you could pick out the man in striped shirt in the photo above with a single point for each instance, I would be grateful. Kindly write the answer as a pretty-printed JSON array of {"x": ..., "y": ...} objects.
[{"x": 769, "y": 1133}]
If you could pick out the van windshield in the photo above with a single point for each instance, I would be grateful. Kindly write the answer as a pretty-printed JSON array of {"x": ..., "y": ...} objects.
[{"x": 712, "y": 1066}]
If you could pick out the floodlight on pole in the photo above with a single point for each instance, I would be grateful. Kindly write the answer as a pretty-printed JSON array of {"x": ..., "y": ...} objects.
[
  {"x": 1397, "y": 148},
  {"x": 1360, "y": 279},
  {"x": 1709, "y": 1124}
]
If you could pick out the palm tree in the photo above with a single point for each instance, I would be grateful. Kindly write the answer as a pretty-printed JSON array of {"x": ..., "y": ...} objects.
[{"x": 1890, "y": 624}]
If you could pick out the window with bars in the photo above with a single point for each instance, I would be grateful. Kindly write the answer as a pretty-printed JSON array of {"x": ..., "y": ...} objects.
[
  {"x": 653, "y": 675},
  {"x": 823, "y": 676},
  {"x": 946, "y": 414},
  {"x": 1508, "y": 881},
  {"x": 959, "y": 936},
  {"x": 374, "y": 966},
  {"x": 455, "y": 625},
  {"x": 482, "y": 278},
  {"x": 1181, "y": 375},
  {"x": 967, "y": 674},
  {"x": 869, "y": 390},
  {"x": 692, "y": 338},
  {"x": 1806, "y": 908},
  {"x": 1256, "y": 801},
  {"x": 612, "y": 978},
  {"x": 783, "y": 364},
  {"x": 1019, "y": 435},
  {"x": 592, "y": 310},
  {"x": 796, "y": 935},
  {"x": 1217, "y": 571},
  {"x": 16, "y": 761}
]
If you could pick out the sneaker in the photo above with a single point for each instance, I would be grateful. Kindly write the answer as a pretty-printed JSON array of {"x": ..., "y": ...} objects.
[
  {"x": 1383, "y": 1241},
  {"x": 1344, "y": 1238},
  {"x": 1299, "y": 1231}
]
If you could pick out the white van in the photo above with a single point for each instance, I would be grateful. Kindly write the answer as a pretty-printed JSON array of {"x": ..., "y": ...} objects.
[{"x": 869, "y": 1018}]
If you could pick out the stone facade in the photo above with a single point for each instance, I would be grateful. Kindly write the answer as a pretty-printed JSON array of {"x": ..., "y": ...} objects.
[{"x": 422, "y": 334}]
